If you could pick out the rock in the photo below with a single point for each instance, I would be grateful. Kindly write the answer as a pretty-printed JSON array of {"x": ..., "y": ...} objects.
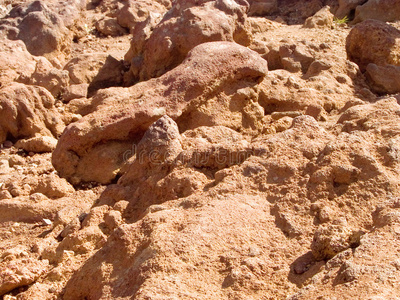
[
  {"x": 331, "y": 239},
  {"x": 53, "y": 186},
  {"x": 45, "y": 75},
  {"x": 73, "y": 226},
  {"x": 20, "y": 272},
  {"x": 83, "y": 241},
  {"x": 262, "y": 7},
  {"x": 346, "y": 7},
  {"x": 373, "y": 42},
  {"x": 99, "y": 70},
  {"x": 75, "y": 91},
  {"x": 135, "y": 12},
  {"x": 348, "y": 272},
  {"x": 28, "y": 111},
  {"x": 43, "y": 32},
  {"x": 67, "y": 214},
  {"x": 37, "y": 144},
  {"x": 296, "y": 57},
  {"x": 109, "y": 27},
  {"x": 15, "y": 60},
  {"x": 323, "y": 18},
  {"x": 382, "y": 10},
  {"x": 113, "y": 219},
  {"x": 157, "y": 97},
  {"x": 5, "y": 194},
  {"x": 187, "y": 26},
  {"x": 316, "y": 67},
  {"x": 383, "y": 79},
  {"x": 128, "y": 241},
  {"x": 160, "y": 143},
  {"x": 4, "y": 166}
]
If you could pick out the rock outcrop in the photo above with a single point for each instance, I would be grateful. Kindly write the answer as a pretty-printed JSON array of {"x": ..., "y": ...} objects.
[
  {"x": 374, "y": 46},
  {"x": 28, "y": 111},
  {"x": 240, "y": 150},
  {"x": 185, "y": 26},
  {"x": 177, "y": 93}
]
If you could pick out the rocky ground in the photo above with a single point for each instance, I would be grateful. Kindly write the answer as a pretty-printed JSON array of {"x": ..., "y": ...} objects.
[{"x": 198, "y": 149}]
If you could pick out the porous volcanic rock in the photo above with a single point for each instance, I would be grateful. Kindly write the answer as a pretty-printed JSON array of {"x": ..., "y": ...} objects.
[
  {"x": 15, "y": 61},
  {"x": 384, "y": 79},
  {"x": 375, "y": 42},
  {"x": 234, "y": 174}
]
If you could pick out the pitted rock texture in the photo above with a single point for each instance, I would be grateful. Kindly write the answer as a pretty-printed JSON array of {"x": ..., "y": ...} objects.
[{"x": 199, "y": 149}]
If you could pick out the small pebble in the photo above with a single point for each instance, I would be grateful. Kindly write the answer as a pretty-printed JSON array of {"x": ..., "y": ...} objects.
[
  {"x": 8, "y": 144},
  {"x": 47, "y": 222}
]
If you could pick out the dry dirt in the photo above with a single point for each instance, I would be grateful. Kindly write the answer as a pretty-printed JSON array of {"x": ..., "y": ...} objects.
[{"x": 199, "y": 150}]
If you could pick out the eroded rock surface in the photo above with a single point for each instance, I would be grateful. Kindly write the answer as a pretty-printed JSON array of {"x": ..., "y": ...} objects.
[{"x": 199, "y": 149}]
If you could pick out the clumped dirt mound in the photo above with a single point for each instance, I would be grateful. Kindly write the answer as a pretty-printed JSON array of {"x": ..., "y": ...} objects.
[{"x": 199, "y": 150}]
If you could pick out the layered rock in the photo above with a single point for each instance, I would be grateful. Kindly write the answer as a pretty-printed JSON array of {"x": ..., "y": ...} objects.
[{"x": 373, "y": 42}]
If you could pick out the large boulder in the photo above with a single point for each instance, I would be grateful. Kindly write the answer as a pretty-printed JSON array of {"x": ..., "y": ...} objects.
[
  {"x": 384, "y": 79},
  {"x": 105, "y": 135},
  {"x": 346, "y": 6},
  {"x": 41, "y": 29},
  {"x": 374, "y": 46},
  {"x": 28, "y": 111},
  {"x": 185, "y": 26},
  {"x": 262, "y": 7},
  {"x": 375, "y": 42},
  {"x": 383, "y": 10}
]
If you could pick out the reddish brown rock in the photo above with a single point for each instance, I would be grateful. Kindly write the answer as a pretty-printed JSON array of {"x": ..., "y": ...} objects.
[
  {"x": 20, "y": 272},
  {"x": 98, "y": 70},
  {"x": 134, "y": 12},
  {"x": 15, "y": 60},
  {"x": 109, "y": 27},
  {"x": 45, "y": 75},
  {"x": 207, "y": 68},
  {"x": 37, "y": 144},
  {"x": 382, "y": 10},
  {"x": 43, "y": 31},
  {"x": 346, "y": 6},
  {"x": 262, "y": 7},
  {"x": 186, "y": 26},
  {"x": 28, "y": 111},
  {"x": 373, "y": 42},
  {"x": 323, "y": 18},
  {"x": 384, "y": 79}
]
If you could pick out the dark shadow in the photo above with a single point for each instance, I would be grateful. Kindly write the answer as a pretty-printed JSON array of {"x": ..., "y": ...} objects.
[{"x": 111, "y": 74}]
